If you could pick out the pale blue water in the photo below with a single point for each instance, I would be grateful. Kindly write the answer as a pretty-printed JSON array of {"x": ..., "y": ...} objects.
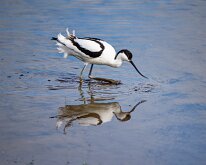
[{"x": 168, "y": 41}]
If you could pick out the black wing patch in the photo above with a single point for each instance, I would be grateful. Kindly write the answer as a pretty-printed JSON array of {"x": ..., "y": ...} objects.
[
  {"x": 86, "y": 51},
  {"x": 91, "y": 38}
]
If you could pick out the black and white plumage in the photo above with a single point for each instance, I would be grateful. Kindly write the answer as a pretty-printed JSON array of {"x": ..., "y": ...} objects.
[{"x": 92, "y": 51}]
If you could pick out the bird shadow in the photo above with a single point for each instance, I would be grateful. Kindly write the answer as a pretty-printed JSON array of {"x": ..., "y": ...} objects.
[
  {"x": 108, "y": 81},
  {"x": 68, "y": 82},
  {"x": 97, "y": 80}
]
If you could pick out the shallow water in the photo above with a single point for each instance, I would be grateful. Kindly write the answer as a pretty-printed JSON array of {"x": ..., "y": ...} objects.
[{"x": 37, "y": 85}]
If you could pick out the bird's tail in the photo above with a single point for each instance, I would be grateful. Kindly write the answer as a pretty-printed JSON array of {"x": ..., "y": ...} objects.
[
  {"x": 64, "y": 43},
  {"x": 54, "y": 38}
]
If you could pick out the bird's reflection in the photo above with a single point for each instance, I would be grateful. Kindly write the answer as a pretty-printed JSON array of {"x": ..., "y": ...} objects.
[{"x": 92, "y": 113}]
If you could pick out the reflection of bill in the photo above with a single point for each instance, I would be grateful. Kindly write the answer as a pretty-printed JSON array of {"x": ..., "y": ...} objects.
[{"x": 92, "y": 114}]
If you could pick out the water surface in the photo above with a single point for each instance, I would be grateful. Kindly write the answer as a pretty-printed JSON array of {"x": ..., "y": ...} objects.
[{"x": 167, "y": 39}]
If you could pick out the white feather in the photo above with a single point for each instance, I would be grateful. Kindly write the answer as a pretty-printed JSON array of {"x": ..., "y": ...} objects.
[
  {"x": 71, "y": 49},
  {"x": 61, "y": 37},
  {"x": 89, "y": 45},
  {"x": 65, "y": 55},
  {"x": 67, "y": 31},
  {"x": 60, "y": 50},
  {"x": 73, "y": 32},
  {"x": 58, "y": 44}
]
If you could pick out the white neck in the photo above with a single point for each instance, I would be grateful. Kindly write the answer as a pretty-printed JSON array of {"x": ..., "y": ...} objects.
[{"x": 116, "y": 62}]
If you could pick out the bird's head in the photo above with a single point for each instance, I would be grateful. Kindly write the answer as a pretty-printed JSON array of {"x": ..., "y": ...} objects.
[
  {"x": 123, "y": 116},
  {"x": 126, "y": 55}
]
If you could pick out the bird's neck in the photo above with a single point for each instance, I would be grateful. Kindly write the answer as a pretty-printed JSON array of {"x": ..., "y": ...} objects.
[{"x": 116, "y": 63}]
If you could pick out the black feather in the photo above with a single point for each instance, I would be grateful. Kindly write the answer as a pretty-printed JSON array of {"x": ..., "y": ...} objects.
[
  {"x": 88, "y": 52},
  {"x": 54, "y": 38}
]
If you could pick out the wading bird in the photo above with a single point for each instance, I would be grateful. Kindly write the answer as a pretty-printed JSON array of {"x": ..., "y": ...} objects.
[{"x": 92, "y": 51}]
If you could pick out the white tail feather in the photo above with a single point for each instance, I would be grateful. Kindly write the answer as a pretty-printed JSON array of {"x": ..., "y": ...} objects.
[
  {"x": 61, "y": 37},
  {"x": 73, "y": 32},
  {"x": 67, "y": 31},
  {"x": 63, "y": 50},
  {"x": 64, "y": 43},
  {"x": 65, "y": 55},
  {"x": 60, "y": 50},
  {"x": 58, "y": 44}
]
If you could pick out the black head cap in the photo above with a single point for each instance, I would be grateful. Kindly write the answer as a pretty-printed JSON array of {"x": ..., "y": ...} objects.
[{"x": 126, "y": 52}]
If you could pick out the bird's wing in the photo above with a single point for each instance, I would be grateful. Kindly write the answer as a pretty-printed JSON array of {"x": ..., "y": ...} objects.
[{"x": 89, "y": 46}]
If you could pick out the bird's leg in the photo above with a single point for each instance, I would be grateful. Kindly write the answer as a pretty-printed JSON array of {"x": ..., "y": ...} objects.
[
  {"x": 85, "y": 65},
  {"x": 81, "y": 92},
  {"x": 110, "y": 81},
  {"x": 90, "y": 72},
  {"x": 90, "y": 92}
]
